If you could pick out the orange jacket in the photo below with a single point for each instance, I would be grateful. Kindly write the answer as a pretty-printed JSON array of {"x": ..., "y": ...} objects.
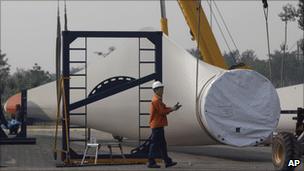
[{"x": 158, "y": 113}]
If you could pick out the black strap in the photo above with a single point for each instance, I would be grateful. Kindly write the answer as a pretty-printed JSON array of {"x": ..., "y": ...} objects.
[
  {"x": 2, "y": 118},
  {"x": 265, "y": 3}
]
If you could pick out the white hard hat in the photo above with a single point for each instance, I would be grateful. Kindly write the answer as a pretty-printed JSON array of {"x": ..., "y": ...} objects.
[{"x": 157, "y": 84}]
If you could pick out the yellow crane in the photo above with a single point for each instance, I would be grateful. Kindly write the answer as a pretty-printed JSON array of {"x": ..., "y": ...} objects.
[
  {"x": 200, "y": 30},
  {"x": 202, "y": 33}
]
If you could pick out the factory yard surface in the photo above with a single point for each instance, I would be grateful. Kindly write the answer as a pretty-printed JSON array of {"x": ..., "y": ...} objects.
[{"x": 209, "y": 158}]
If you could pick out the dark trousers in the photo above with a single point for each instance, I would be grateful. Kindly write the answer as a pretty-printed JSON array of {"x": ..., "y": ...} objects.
[{"x": 158, "y": 145}]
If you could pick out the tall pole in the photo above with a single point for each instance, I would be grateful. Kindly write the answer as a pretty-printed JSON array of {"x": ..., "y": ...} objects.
[
  {"x": 302, "y": 49},
  {"x": 284, "y": 55},
  {"x": 58, "y": 50},
  {"x": 0, "y": 26},
  {"x": 163, "y": 8},
  {"x": 65, "y": 17},
  {"x": 163, "y": 20},
  {"x": 266, "y": 13},
  {"x": 1, "y": 91}
]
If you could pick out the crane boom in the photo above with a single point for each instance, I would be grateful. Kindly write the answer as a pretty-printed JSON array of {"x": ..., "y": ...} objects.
[{"x": 202, "y": 33}]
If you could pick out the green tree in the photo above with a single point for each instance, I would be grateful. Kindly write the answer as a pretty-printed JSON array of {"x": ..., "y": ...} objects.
[
  {"x": 250, "y": 58},
  {"x": 39, "y": 76},
  {"x": 300, "y": 12},
  {"x": 231, "y": 58},
  {"x": 4, "y": 71},
  {"x": 293, "y": 65},
  {"x": 288, "y": 14},
  {"x": 293, "y": 68},
  {"x": 26, "y": 79},
  {"x": 16, "y": 82}
]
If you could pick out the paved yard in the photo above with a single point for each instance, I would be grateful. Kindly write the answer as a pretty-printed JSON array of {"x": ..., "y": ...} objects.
[{"x": 211, "y": 158}]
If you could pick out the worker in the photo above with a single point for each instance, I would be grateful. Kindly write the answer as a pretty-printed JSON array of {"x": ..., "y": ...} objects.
[{"x": 158, "y": 120}]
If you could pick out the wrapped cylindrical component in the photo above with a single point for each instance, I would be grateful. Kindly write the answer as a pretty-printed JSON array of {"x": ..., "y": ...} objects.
[{"x": 237, "y": 107}]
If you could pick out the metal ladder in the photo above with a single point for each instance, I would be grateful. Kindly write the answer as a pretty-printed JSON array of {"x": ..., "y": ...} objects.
[
  {"x": 79, "y": 88},
  {"x": 140, "y": 89}
]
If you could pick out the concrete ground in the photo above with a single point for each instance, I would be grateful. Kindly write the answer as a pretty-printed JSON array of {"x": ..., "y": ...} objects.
[{"x": 209, "y": 158}]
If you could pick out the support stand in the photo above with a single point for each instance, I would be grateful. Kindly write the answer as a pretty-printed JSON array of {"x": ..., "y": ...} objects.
[{"x": 105, "y": 89}]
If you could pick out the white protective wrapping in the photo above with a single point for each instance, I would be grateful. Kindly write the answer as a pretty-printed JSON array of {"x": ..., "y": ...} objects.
[
  {"x": 240, "y": 108},
  {"x": 249, "y": 96}
]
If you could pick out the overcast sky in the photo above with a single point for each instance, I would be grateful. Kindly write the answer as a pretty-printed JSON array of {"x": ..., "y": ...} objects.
[{"x": 28, "y": 28}]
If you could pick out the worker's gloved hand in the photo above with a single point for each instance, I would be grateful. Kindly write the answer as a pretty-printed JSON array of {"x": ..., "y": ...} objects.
[{"x": 176, "y": 106}]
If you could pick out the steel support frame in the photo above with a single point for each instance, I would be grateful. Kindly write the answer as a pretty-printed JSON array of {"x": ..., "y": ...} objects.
[
  {"x": 299, "y": 132},
  {"x": 69, "y": 37},
  {"x": 299, "y": 118},
  {"x": 23, "y": 132}
]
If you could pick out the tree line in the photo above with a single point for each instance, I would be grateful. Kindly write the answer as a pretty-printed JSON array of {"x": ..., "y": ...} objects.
[
  {"x": 23, "y": 79},
  {"x": 286, "y": 66},
  {"x": 12, "y": 83},
  {"x": 293, "y": 65}
]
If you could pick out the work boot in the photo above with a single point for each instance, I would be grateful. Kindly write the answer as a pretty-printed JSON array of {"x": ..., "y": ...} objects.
[
  {"x": 171, "y": 164},
  {"x": 153, "y": 165}
]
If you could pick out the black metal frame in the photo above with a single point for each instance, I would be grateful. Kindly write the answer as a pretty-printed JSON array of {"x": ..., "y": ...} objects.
[
  {"x": 68, "y": 38},
  {"x": 299, "y": 131},
  {"x": 21, "y": 137},
  {"x": 299, "y": 118}
]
